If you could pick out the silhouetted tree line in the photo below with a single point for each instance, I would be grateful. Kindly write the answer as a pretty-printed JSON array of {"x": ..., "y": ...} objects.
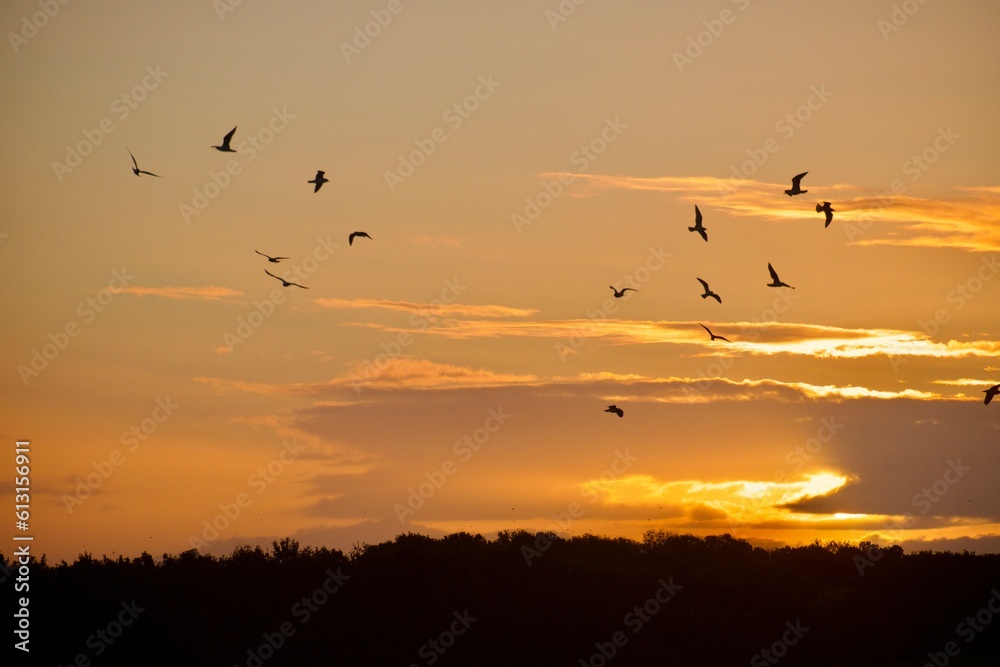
[{"x": 522, "y": 599}]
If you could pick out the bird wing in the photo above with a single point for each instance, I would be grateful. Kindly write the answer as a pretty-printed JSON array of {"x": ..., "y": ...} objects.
[
  {"x": 989, "y": 397},
  {"x": 703, "y": 284},
  {"x": 133, "y": 158},
  {"x": 350, "y": 240},
  {"x": 774, "y": 274},
  {"x": 149, "y": 173},
  {"x": 229, "y": 137},
  {"x": 262, "y": 254},
  {"x": 318, "y": 184},
  {"x": 697, "y": 217},
  {"x": 716, "y": 297},
  {"x": 796, "y": 179},
  {"x": 628, "y": 289},
  {"x": 319, "y": 175},
  {"x": 723, "y": 338},
  {"x": 298, "y": 285},
  {"x": 703, "y": 233},
  {"x": 829, "y": 218},
  {"x": 706, "y": 329},
  {"x": 273, "y": 276}
]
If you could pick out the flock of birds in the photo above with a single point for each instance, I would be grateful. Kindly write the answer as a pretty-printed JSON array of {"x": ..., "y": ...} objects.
[
  {"x": 317, "y": 181},
  {"x": 699, "y": 227}
]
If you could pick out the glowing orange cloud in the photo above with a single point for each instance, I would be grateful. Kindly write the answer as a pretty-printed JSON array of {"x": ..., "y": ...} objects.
[
  {"x": 211, "y": 293},
  {"x": 426, "y": 309}
]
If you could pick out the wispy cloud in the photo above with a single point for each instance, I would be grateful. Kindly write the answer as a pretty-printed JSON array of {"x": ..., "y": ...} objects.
[
  {"x": 427, "y": 309},
  {"x": 970, "y": 221},
  {"x": 409, "y": 374},
  {"x": 209, "y": 293},
  {"x": 757, "y": 338}
]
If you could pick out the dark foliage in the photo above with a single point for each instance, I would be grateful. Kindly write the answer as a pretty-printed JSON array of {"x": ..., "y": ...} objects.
[{"x": 522, "y": 599}]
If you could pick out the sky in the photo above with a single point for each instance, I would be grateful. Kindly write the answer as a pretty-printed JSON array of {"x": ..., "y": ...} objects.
[{"x": 509, "y": 161}]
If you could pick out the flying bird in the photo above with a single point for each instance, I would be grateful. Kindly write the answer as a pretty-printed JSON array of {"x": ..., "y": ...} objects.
[
  {"x": 615, "y": 409},
  {"x": 284, "y": 283},
  {"x": 135, "y": 167},
  {"x": 708, "y": 292},
  {"x": 698, "y": 227},
  {"x": 828, "y": 209},
  {"x": 319, "y": 180},
  {"x": 990, "y": 393},
  {"x": 352, "y": 235},
  {"x": 714, "y": 337},
  {"x": 795, "y": 189},
  {"x": 775, "y": 281},
  {"x": 273, "y": 260},
  {"x": 224, "y": 148},
  {"x": 620, "y": 293}
]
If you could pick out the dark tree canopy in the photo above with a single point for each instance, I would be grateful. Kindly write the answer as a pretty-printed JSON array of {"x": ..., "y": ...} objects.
[{"x": 521, "y": 599}]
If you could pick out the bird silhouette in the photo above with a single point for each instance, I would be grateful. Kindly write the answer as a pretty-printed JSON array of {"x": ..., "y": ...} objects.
[
  {"x": 319, "y": 180},
  {"x": 352, "y": 235},
  {"x": 708, "y": 292},
  {"x": 284, "y": 283},
  {"x": 224, "y": 148},
  {"x": 775, "y": 281},
  {"x": 620, "y": 293},
  {"x": 714, "y": 337},
  {"x": 135, "y": 166},
  {"x": 615, "y": 409},
  {"x": 795, "y": 189},
  {"x": 698, "y": 227},
  {"x": 273, "y": 260},
  {"x": 990, "y": 393},
  {"x": 828, "y": 209}
]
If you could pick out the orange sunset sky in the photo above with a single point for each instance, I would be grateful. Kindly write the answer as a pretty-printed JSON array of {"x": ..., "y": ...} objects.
[{"x": 510, "y": 161}]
